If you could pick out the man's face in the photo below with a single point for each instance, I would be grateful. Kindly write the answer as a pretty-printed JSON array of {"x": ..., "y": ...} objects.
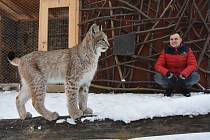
[{"x": 175, "y": 40}]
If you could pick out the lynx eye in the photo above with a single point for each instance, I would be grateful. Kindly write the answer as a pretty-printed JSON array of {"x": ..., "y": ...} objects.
[{"x": 103, "y": 40}]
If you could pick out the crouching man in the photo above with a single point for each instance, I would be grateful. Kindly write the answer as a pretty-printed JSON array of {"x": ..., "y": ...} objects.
[{"x": 176, "y": 66}]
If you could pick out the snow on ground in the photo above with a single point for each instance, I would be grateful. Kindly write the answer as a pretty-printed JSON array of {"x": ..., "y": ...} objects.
[{"x": 126, "y": 107}]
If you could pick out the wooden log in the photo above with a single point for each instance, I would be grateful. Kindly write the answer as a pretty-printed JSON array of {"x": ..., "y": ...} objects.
[{"x": 39, "y": 128}]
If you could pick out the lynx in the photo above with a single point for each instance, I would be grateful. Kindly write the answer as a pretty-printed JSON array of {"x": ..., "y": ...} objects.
[{"x": 75, "y": 67}]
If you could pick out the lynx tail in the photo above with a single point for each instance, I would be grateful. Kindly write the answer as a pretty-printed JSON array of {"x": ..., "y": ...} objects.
[{"x": 13, "y": 59}]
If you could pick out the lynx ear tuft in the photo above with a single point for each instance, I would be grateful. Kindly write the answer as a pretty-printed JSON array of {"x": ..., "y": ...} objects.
[
  {"x": 11, "y": 56},
  {"x": 93, "y": 32},
  {"x": 94, "y": 29}
]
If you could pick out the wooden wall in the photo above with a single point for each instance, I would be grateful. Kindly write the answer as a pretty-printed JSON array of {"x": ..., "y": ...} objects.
[{"x": 152, "y": 21}]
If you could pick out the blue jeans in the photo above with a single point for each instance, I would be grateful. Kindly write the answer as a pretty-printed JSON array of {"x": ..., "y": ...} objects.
[{"x": 187, "y": 83}]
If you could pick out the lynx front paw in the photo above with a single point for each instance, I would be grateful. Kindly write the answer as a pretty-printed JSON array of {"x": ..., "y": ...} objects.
[
  {"x": 52, "y": 116},
  {"x": 88, "y": 111},
  {"x": 77, "y": 114},
  {"x": 26, "y": 116}
]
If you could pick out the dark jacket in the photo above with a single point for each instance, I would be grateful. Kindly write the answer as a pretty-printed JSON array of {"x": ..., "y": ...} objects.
[{"x": 179, "y": 60}]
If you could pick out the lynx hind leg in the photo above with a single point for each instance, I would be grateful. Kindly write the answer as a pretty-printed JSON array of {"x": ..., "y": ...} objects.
[
  {"x": 21, "y": 99},
  {"x": 38, "y": 97},
  {"x": 71, "y": 90},
  {"x": 83, "y": 97}
]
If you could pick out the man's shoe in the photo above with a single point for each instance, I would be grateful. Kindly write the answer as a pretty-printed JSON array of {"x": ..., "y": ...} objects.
[
  {"x": 186, "y": 93},
  {"x": 168, "y": 92}
]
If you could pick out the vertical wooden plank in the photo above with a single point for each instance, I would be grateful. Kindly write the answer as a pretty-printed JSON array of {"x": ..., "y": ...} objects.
[
  {"x": 1, "y": 52},
  {"x": 73, "y": 23},
  {"x": 43, "y": 26}
]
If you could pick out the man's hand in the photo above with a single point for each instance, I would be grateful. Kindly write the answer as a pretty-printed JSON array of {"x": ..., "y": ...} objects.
[
  {"x": 181, "y": 80},
  {"x": 171, "y": 77}
]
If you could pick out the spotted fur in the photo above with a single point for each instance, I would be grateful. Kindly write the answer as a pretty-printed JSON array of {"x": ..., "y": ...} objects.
[{"x": 75, "y": 67}]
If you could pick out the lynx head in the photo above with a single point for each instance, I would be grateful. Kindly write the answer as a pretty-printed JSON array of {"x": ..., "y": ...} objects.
[{"x": 97, "y": 39}]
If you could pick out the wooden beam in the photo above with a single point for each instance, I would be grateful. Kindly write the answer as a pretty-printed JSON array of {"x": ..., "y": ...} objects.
[
  {"x": 73, "y": 23},
  {"x": 58, "y": 3},
  {"x": 12, "y": 11},
  {"x": 14, "y": 6},
  {"x": 38, "y": 127}
]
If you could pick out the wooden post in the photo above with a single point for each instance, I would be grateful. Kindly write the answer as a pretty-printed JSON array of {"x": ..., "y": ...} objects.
[
  {"x": 43, "y": 26},
  {"x": 1, "y": 52},
  {"x": 73, "y": 6},
  {"x": 73, "y": 23}
]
